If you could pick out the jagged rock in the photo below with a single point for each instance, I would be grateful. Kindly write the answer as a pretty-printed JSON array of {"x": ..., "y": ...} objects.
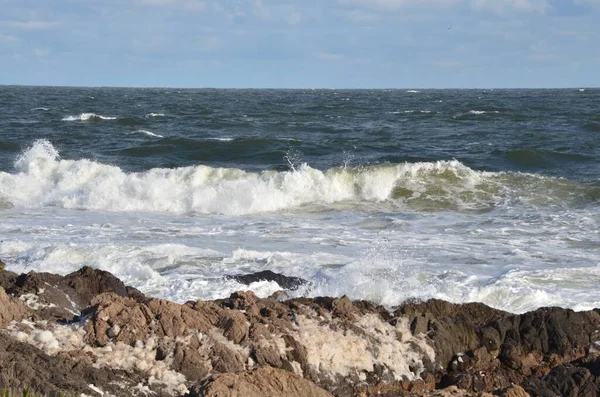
[
  {"x": 348, "y": 347},
  {"x": 11, "y": 309},
  {"x": 513, "y": 391},
  {"x": 64, "y": 298},
  {"x": 22, "y": 365},
  {"x": 285, "y": 282},
  {"x": 483, "y": 349},
  {"x": 88, "y": 283},
  {"x": 580, "y": 378},
  {"x": 261, "y": 382}
]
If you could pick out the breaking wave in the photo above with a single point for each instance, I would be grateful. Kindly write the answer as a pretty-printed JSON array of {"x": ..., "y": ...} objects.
[
  {"x": 88, "y": 117},
  {"x": 147, "y": 133},
  {"x": 42, "y": 179}
]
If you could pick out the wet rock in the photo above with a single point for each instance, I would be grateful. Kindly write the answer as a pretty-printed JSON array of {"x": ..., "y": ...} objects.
[
  {"x": 22, "y": 365},
  {"x": 88, "y": 282},
  {"x": 285, "y": 282},
  {"x": 261, "y": 382},
  {"x": 575, "y": 379},
  {"x": 64, "y": 298},
  {"x": 11, "y": 309}
]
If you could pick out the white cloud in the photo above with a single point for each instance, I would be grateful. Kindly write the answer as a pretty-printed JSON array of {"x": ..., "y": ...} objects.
[
  {"x": 32, "y": 25},
  {"x": 41, "y": 52},
  {"x": 328, "y": 56},
  {"x": 497, "y": 6},
  {"x": 502, "y": 6},
  {"x": 8, "y": 39},
  {"x": 188, "y": 5},
  {"x": 394, "y": 5}
]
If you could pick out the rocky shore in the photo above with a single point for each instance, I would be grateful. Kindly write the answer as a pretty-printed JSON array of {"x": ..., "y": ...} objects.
[{"x": 87, "y": 333}]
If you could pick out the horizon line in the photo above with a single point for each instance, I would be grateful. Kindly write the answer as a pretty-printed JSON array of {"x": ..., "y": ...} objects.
[{"x": 295, "y": 88}]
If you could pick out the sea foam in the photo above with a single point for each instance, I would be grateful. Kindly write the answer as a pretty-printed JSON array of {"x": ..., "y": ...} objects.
[
  {"x": 88, "y": 117},
  {"x": 42, "y": 179}
]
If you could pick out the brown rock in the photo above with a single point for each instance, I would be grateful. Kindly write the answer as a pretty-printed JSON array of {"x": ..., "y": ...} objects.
[
  {"x": 513, "y": 391},
  {"x": 11, "y": 309},
  {"x": 22, "y": 365},
  {"x": 261, "y": 382}
]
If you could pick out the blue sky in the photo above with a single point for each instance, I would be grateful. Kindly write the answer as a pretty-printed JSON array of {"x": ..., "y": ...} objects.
[{"x": 301, "y": 43}]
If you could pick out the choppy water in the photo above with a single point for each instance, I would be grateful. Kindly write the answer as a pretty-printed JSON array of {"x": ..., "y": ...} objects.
[{"x": 465, "y": 195}]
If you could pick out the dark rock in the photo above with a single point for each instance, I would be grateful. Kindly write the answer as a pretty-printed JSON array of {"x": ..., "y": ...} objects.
[
  {"x": 64, "y": 298},
  {"x": 22, "y": 365},
  {"x": 88, "y": 283},
  {"x": 261, "y": 382},
  {"x": 11, "y": 309},
  {"x": 285, "y": 282},
  {"x": 575, "y": 379}
]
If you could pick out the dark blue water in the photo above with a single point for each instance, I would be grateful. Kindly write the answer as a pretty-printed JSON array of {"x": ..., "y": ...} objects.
[{"x": 551, "y": 132}]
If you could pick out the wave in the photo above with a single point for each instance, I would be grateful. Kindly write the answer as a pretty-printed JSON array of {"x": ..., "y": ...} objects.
[
  {"x": 150, "y": 115},
  {"x": 41, "y": 108},
  {"x": 413, "y": 91},
  {"x": 483, "y": 111},
  {"x": 87, "y": 117},
  {"x": 42, "y": 179},
  {"x": 147, "y": 133}
]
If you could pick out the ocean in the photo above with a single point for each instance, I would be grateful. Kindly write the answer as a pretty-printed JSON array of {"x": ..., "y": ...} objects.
[{"x": 486, "y": 196}]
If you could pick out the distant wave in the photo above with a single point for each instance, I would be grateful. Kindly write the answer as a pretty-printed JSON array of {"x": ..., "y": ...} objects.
[
  {"x": 41, "y": 108},
  {"x": 413, "y": 91},
  {"x": 147, "y": 133},
  {"x": 220, "y": 139},
  {"x": 483, "y": 111},
  {"x": 150, "y": 115},
  {"x": 88, "y": 117},
  {"x": 44, "y": 180}
]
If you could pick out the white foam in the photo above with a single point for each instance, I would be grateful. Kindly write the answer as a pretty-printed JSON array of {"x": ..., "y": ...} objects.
[
  {"x": 44, "y": 180},
  {"x": 56, "y": 338},
  {"x": 150, "y": 115},
  {"x": 413, "y": 91},
  {"x": 41, "y": 108},
  {"x": 87, "y": 117},
  {"x": 221, "y": 139},
  {"x": 345, "y": 352},
  {"x": 482, "y": 112},
  {"x": 148, "y": 133}
]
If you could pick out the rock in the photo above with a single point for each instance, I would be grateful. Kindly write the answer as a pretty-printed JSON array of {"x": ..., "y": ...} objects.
[
  {"x": 261, "y": 382},
  {"x": 285, "y": 282},
  {"x": 2, "y": 266},
  {"x": 88, "y": 283},
  {"x": 11, "y": 309},
  {"x": 64, "y": 298},
  {"x": 513, "y": 391},
  {"x": 22, "y": 365},
  {"x": 578, "y": 378}
]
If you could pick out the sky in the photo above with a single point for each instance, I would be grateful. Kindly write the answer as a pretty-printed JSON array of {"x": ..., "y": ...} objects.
[{"x": 301, "y": 43}]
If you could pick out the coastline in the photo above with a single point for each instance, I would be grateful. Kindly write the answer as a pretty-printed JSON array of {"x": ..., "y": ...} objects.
[{"x": 88, "y": 333}]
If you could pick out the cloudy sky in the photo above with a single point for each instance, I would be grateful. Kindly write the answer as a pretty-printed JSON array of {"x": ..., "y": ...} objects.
[{"x": 301, "y": 43}]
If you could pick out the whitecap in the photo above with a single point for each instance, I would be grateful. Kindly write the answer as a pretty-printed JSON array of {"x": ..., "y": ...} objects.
[
  {"x": 148, "y": 133},
  {"x": 87, "y": 117},
  {"x": 150, "y": 115},
  {"x": 220, "y": 139}
]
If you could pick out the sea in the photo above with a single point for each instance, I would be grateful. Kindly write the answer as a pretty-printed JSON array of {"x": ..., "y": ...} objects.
[{"x": 477, "y": 195}]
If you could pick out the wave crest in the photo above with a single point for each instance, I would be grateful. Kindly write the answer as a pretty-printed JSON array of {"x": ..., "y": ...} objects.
[
  {"x": 87, "y": 117},
  {"x": 43, "y": 179}
]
